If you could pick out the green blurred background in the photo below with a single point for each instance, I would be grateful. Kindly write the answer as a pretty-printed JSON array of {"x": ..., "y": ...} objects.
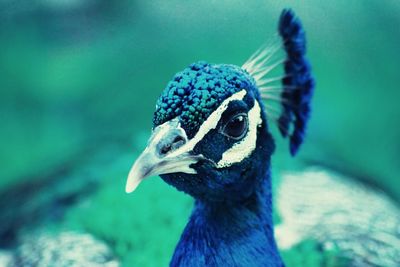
[{"x": 79, "y": 80}]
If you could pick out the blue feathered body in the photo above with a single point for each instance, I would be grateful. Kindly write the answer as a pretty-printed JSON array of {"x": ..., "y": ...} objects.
[
  {"x": 231, "y": 224},
  {"x": 230, "y": 234}
]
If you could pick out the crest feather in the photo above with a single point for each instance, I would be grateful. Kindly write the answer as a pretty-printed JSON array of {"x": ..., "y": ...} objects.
[{"x": 297, "y": 83}]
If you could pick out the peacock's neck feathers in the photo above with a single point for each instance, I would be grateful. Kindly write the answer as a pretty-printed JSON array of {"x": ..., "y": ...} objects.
[{"x": 230, "y": 234}]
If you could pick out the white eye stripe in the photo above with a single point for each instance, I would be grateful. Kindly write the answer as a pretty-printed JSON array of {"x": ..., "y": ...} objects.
[
  {"x": 245, "y": 147},
  {"x": 209, "y": 124}
]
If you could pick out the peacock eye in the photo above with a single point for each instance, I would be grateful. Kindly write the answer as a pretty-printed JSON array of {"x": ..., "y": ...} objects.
[{"x": 236, "y": 127}]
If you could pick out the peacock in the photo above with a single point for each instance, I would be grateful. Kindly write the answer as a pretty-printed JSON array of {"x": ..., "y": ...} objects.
[{"x": 211, "y": 139}]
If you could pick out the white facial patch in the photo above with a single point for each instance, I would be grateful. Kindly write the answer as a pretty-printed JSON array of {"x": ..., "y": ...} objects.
[
  {"x": 246, "y": 146},
  {"x": 209, "y": 124},
  {"x": 150, "y": 162}
]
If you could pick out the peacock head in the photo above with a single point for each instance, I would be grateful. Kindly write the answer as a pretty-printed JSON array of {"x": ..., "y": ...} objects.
[{"x": 211, "y": 135}]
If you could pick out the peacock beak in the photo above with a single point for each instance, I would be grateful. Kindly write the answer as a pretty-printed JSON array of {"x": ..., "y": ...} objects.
[{"x": 166, "y": 152}]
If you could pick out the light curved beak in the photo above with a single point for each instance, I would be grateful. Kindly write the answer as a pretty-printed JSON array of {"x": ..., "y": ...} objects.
[{"x": 166, "y": 152}]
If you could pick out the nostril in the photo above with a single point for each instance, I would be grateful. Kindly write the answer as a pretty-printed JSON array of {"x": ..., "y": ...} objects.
[
  {"x": 165, "y": 149},
  {"x": 176, "y": 143},
  {"x": 178, "y": 140}
]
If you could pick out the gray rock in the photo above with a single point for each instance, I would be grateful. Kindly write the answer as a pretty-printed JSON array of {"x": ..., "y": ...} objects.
[{"x": 63, "y": 249}]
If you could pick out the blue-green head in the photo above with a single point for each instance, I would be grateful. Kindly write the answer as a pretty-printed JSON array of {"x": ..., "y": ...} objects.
[
  {"x": 219, "y": 113},
  {"x": 211, "y": 134}
]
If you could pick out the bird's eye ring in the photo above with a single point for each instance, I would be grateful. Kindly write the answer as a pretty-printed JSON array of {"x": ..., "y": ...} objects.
[{"x": 236, "y": 127}]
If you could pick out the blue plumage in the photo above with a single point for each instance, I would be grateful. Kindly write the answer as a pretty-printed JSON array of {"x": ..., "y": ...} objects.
[
  {"x": 211, "y": 140},
  {"x": 298, "y": 82},
  {"x": 229, "y": 234},
  {"x": 231, "y": 223}
]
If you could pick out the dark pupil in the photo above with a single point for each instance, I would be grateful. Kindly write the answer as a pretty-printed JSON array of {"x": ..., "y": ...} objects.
[{"x": 236, "y": 126}]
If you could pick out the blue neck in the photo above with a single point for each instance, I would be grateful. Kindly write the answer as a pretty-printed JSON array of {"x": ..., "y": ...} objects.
[{"x": 230, "y": 234}]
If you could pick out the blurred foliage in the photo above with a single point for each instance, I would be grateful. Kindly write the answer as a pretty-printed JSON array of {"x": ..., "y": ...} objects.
[
  {"x": 143, "y": 230},
  {"x": 79, "y": 78}
]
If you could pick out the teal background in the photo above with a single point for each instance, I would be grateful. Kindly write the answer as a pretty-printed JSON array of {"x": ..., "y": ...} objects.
[{"x": 78, "y": 84}]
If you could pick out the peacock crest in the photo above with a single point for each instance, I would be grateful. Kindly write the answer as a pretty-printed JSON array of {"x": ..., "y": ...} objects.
[{"x": 293, "y": 95}]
